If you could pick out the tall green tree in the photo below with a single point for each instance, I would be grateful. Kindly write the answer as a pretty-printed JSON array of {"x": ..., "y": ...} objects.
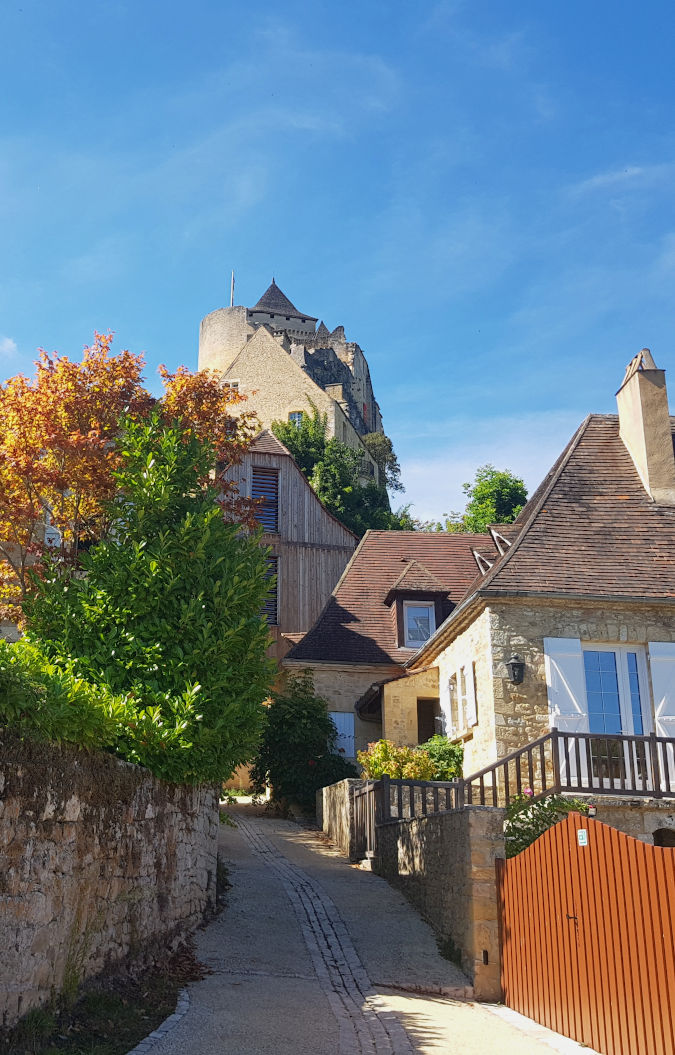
[
  {"x": 169, "y": 603},
  {"x": 496, "y": 496},
  {"x": 381, "y": 450},
  {"x": 306, "y": 441},
  {"x": 334, "y": 470}
]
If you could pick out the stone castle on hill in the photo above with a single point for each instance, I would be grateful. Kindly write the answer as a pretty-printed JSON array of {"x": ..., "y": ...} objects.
[{"x": 285, "y": 365}]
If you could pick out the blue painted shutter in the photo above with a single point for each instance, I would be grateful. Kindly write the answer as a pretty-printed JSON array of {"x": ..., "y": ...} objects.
[{"x": 344, "y": 723}]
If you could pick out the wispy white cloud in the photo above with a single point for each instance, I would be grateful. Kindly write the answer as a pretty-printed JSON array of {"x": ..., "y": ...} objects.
[
  {"x": 8, "y": 346},
  {"x": 629, "y": 177}
]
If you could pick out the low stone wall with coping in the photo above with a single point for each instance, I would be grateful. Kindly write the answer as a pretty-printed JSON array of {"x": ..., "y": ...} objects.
[
  {"x": 100, "y": 863},
  {"x": 335, "y": 814},
  {"x": 445, "y": 865}
]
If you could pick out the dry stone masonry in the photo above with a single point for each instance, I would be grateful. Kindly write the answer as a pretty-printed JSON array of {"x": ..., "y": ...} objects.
[{"x": 100, "y": 863}]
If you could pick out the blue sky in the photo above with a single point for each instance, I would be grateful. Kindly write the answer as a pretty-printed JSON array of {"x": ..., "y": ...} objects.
[{"x": 482, "y": 193}]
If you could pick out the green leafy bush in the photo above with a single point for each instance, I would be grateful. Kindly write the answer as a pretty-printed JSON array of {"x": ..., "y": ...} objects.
[
  {"x": 157, "y": 649},
  {"x": 385, "y": 759},
  {"x": 527, "y": 820},
  {"x": 296, "y": 755},
  {"x": 447, "y": 757}
]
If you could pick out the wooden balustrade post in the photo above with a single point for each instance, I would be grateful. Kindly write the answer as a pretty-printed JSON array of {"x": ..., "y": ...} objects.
[
  {"x": 656, "y": 767},
  {"x": 386, "y": 799},
  {"x": 556, "y": 761}
]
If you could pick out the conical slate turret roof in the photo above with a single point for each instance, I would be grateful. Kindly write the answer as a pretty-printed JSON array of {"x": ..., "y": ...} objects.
[{"x": 274, "y": 301}]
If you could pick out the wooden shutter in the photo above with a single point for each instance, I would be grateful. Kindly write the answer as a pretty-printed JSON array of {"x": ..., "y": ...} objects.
[
  {"x": 470, "y": 713},
  {"x": 265, "y": 489},
  {"x": 662, "y": 664},
  {"x": 270, "y": 608},
  {"x": 344, "y": 723},
  {"x": 566, "y": 684}
]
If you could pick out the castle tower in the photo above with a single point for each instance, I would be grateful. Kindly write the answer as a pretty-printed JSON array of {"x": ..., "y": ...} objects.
[{"x": 276, "y": 356}]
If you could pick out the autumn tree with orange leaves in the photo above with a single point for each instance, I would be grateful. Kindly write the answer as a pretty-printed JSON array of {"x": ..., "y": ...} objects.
[{"x": 58, "y": 456}]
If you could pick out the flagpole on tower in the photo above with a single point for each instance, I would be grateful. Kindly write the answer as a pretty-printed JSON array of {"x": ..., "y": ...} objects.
[{"x": 232, "y": 291}]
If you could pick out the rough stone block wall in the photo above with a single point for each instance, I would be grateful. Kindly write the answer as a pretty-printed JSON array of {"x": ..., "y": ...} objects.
[
  {"x": 99, "y": 862},
  {"x": 337, "y": 814},
  {"x": 637, "y": 817},
  {"x": 521, "y": 711},
  {"x": 342, "y": 686},
  {"x": 445, "y": 865}
]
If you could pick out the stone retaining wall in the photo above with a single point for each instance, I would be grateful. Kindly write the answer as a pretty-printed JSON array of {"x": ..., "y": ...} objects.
[
  {"x": 99, "y": 862},
  {"x": 335, "y": 814},
  {"x": 445, "y": 865}
]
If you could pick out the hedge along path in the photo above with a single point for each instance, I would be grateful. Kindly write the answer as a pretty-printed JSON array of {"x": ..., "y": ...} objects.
[{"x": 363, "y": 1030}]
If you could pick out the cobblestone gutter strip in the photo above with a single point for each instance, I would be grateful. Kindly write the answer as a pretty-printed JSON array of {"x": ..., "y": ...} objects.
[
  {"x": 363, "y": 1028},
  {"x": 182, "y": 1007}
]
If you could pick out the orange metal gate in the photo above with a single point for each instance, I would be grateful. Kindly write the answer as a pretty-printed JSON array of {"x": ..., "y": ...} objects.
[{"x": 587, "y": 921}]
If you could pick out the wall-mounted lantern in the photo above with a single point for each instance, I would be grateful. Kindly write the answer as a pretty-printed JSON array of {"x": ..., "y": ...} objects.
[{"x": 516, "y": 669}]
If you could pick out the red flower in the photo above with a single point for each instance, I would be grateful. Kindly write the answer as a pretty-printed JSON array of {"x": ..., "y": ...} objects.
[{"x": 311, "y": 762}]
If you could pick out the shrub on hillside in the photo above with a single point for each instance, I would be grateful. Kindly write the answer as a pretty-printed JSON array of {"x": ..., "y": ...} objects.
[{"x": 296, "y": 755}]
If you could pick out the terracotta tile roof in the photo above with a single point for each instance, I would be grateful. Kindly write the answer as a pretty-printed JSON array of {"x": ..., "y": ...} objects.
[
  {"x": 590, "y": 528},
  {"x": 274, "y": 301},
  {"x": 415, "y": 578},
  {"x": 356, "y": 626},
  {"x": 267, "y": 443}
]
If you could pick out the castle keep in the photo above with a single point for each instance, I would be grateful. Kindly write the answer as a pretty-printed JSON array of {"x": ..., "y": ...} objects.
[{"x": 284, "y": 364}]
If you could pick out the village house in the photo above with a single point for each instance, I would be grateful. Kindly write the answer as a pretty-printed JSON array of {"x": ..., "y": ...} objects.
[
  {"x": 398, "y": 587},
  {"x": 569, "y": 623},
  {"x": 286, "y": 367}
]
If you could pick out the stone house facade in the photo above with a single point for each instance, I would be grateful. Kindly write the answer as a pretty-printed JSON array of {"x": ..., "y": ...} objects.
[
  {"x": 581, "y": 589},
  {"x": 284, "y": 365}
]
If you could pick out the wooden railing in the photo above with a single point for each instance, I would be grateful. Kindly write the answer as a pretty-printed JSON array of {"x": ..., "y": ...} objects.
[
  {"x": 557, "y": 763},
  {"x": 578, "y": 763},
  {"x": 385, "y": 800}
]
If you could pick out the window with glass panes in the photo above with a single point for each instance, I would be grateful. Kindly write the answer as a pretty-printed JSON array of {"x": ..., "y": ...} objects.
[
  {"x": 419, "y": 623},
  {"x": 615, "y": 688}
]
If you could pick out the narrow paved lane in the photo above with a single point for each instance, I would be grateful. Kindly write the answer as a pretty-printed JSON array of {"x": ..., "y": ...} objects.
[{"x": 314, "y": 957}]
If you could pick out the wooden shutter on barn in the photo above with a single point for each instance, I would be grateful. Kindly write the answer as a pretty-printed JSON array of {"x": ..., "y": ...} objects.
[
  {"x": 265, "y": 488},
  {"x": 270, "y": 609}
]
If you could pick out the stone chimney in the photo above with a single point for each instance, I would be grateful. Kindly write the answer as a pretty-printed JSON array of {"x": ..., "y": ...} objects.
[{"x": 644, "y": 426}]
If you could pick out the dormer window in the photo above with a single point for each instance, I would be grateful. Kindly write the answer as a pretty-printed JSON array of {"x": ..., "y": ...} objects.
[{"x": 419, "y": 622}]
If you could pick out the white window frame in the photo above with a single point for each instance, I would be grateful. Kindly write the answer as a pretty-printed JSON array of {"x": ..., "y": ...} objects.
[
  {"x": 292, "y": 415},
  {"x": 432, "y": 621},
  {"x": 233, "y": 384},
  {"x": 625, "y": 708}
]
